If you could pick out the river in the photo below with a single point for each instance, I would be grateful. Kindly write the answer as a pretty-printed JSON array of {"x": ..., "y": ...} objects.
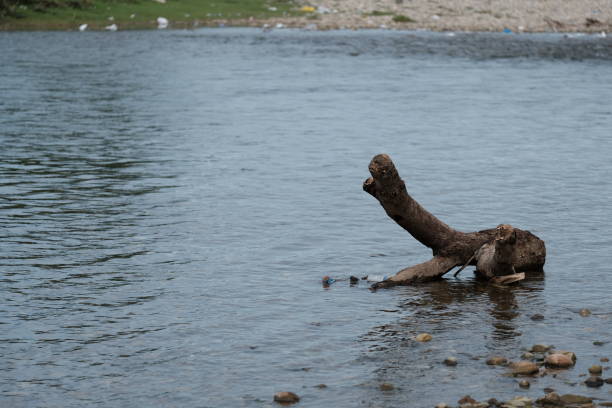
[{"x": 169, "y": 201}]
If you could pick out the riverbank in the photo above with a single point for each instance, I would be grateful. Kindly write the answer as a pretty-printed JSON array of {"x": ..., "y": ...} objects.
[{"x": 434, "y": 15}]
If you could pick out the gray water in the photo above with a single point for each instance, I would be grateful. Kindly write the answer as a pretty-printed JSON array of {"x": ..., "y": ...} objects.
[{"x": 169, "y": 202}]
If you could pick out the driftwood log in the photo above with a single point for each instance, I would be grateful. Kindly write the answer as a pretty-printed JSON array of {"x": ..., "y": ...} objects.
[{"x": 499, "y": 253}]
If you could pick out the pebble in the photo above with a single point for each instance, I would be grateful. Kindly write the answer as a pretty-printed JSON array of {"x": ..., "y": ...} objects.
[
  {"x": 604, "y": 359},
  {"x": 450, "y": 361},
  {"x": 497, "y": 360},
  {"x": 571, "y": 399},
  {"x": 548, "y": 390},
  {"x": 467, "y": 400},
  {"x": 519, "y": 402},
  {"x": 524, "y": 384},
  {"x": 524, "y": 368},
  {"x": 286, "y": 397},
  {"x": 442, "y": 405},
  {"x": 321, "y": 386},
  {"x": 423, "y": 337},
  {"x": 608, "y": 380},
  {"x": 540, "y": 348},
  {"x": 558, "y": 360},
  {"x": 569, "y": 354},
  {"x": 594, "y": 382},
  {"x": 387, "y": 387},
  {"x": 595, "y": 370},
  {"x": 527, "y": 356},
  {"x": 550, "y": 398},
  {"x": 584, "y": 312}
]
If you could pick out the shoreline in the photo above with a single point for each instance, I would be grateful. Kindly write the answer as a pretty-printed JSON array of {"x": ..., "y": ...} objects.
[{"x": 517, "y": 16}]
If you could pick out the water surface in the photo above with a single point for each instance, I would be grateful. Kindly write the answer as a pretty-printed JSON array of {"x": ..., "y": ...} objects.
[{"x": 170, "y": 200}]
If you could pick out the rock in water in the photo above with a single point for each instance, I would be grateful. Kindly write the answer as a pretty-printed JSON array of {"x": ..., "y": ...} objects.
[
  {"x": 524, "y": 368},
  {"x": 386, "y": 387},
  {"x": 467, "y": 400},
  {"x": 571, "y": 399},
  {"x": 450, "y": 361},
  {"x": 550, "y": 399},
  {"x": 585, "y": 312},
  {"x": 519, "y": 402},
  {"x": 497, "y": 360},
  {"x": 540, "y": 348},
  {"x": 558, "y": 360},
  {"x": 423, "y": 337},
  {"x": 286, "y": 397},
  {"x": 594, "y": 382},
  {"x": 595, "y": 370},
  {"x": 524, "y": 384}
]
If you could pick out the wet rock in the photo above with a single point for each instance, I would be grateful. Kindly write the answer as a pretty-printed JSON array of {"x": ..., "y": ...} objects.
[
  {"x": 518, "y": 402},
  {"x": 548, "y": 390},
  {"x": 524, "y": 368},
  {"x": 571, "y": 399},
  {"x": 442, "y": 405},
  {"x": 387, "y": 387},
  {"x": 450, "y": 361},
  {"x": 492, "y": 402},
  {"x": 599, "y": 343},
  {"x": 537, "y": 317},
  {"x": 584, "y": 312},
  {"x": 467, "y": 400},
  {"x": 540, "y": 348},
  {"x": 604, "y": 359},
  {"x": 286, "y": 397},
  {"x": 423, "y": 337},
  {"x": 605, "y": 404},
  {"x": 497, "y": 360},
  {"x": 550, "y": 400},
  {"x": 608, "y": 380},
  {"x": 558, "y": 360},
  {"x": 527, "y": 356},
  {"x": 569, "y": 354},
  {"x": 354, "y": 279},
  {"x": 524, "y": 384},
  {"x": 595, "y": 370},
  {"x": 321, "y": 386},
  {"x": 594, "y": 381}
]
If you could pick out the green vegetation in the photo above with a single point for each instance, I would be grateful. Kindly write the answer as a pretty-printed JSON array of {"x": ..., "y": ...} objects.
[
  {"x": 377, "y": 13},
  {"x": 69, "y": 14},
  {"x": 403, "y": 19}
]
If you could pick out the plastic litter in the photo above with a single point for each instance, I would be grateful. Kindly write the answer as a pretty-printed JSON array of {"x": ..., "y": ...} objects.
[
  {"x": 507, "y": 31},
  {"x": 83, "y": 27},
  {"x": 162, "y": 23},
  {"x": 112, "y": 27},
  {"x": 326, "y": 280},
  {"x": 308, "y": 9},
  {"x": 377, "y": 278}
]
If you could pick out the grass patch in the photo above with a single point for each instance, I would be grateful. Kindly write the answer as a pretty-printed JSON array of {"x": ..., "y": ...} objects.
[
  {"x": 400, "y": 18},
  {"x": 378, "y": 13},
  {"x": 143, "y": 13}
]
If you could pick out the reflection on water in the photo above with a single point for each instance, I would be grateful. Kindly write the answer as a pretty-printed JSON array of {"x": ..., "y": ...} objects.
[{"x": 169, "y": 202}]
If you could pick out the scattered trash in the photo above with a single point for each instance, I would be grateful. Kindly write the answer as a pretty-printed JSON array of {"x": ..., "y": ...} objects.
[
  {"x": 111, "y": 18},
  {"x": 376, "y": 278},
  {"x": 112, "y": 27},
  {"x": 507, "y": 31},
  {"x": 326, "y": 280},
  {"x": 266, "y": 27},
  {"x": 602, "y": 34},
  {"x": 280, "y": 25},
  {"x": 435, "y": 17},
  {"x": 451, "y": 34},
  {"x": 161, "y": 1},
  {"x": 521, "y": 28},
  {"x": 311, "y": 27},
  {"x": 162, "y": 23},
  {"x": 272, "y": 9},
  {"x": 308, "y": 9},
  {"x": 83, "y": 27},
  {"x": 132, "y": 16},
  {"x": 323, "y": 10}
]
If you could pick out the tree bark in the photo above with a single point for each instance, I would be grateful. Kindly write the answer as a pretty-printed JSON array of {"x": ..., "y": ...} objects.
[{"x": 498, "y": 251}]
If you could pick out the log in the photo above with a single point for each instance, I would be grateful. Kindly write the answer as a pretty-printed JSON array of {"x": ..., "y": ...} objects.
[{"x": 504, "y": 250}]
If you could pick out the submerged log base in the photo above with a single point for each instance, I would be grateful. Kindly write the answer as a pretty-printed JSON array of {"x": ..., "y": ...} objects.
[{"x": 500, "y": 251}]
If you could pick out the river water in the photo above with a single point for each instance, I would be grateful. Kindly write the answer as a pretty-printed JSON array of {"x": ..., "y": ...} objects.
[{"x": 169, "y": 202}]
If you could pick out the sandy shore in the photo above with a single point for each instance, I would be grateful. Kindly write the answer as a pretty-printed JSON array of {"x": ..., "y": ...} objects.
[{"x": 461, "y": 15}]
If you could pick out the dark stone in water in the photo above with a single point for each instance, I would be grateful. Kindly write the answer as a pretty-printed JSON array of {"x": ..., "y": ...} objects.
[
  {"x": 387, "y": 387},
  {"x": 524, "y": 384},
  {"x": 354, "y": 279},
  {"x": 594, "y": 382},
  {"x": 467, "y": 400},
  {"x": 321, "y": 386},
  {"x": 286, "y": 397},
  {"x": 537, "y": 317},
  {"x": 608, "y": 380}
]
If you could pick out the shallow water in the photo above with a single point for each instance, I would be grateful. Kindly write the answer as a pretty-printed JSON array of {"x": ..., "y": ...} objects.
[{"x": 170, "y": 200}]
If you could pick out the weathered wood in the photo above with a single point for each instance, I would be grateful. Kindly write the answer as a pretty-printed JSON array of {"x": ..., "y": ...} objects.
[{"x": 498, "y": 251}]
